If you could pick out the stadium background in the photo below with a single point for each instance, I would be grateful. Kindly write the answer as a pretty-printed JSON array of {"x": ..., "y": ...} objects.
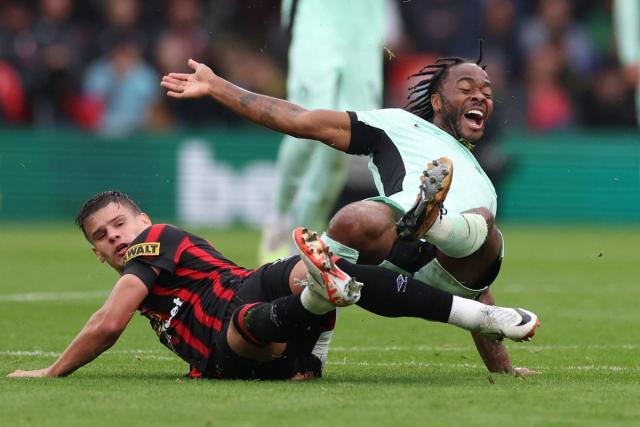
[
  {"x": 563, "y": 149},
  {"x": 563, "y": 143}
]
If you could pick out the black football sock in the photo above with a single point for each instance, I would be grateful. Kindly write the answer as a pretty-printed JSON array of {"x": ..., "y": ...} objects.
[
  {"x": 390, "y": 294},
  {"x": 282, "y": 320},
  {"x": 411, "y": 256}
]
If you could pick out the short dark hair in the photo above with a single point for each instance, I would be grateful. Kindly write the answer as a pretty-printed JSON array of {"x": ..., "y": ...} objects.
[
  {"x": 420, "y": 94},
  {"x": 99, "y": 201}
]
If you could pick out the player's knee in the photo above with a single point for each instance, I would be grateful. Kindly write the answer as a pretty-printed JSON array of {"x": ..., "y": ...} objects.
[
  {"x": 486, "y": 214},
  {"x": 345, "y": 226},
  {"x": 244, "y": 343},
  {"x": 359, "y": 222},
  {"x": 365, "y": 226}
]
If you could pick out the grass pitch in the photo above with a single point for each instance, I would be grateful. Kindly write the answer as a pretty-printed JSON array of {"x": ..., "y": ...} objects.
[{"x": 583, "y": 283}]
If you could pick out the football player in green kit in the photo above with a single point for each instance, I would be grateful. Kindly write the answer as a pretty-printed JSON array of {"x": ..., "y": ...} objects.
[
  {"x": 446, "y": 236},
  {"x": 626, "y": 18},
  {"x": 335, "y": 62}
]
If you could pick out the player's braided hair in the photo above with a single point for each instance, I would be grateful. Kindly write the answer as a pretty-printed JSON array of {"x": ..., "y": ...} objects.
[
  {"x": 420, "y": 94},
  {"x": 99, "y": 201}
]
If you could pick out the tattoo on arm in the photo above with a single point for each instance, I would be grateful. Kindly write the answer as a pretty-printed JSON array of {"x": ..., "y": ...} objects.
[
  {"x": 266, "y": 118},
  {"x": 296, "y": 110},
  {"x": 247, "y": 99}
]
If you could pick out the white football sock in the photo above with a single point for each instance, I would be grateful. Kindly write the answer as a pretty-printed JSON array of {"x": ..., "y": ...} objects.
[
  {"x": 315, "y": 303},
  {"x": 458, "y": 235},
  {"x": 466, "y": 313},
  {"x": 321, "y": 349}
]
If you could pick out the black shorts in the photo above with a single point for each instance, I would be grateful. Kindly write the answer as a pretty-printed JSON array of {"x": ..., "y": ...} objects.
[{"x": 269, "y": 282}]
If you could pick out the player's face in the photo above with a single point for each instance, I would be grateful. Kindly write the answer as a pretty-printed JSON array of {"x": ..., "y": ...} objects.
[
  {"x": 112, "y": 229},
  {"x": 465, "y": 102}
]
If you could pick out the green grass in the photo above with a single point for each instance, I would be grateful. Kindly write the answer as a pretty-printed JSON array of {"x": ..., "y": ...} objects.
[{"x": 583, "y": 282}]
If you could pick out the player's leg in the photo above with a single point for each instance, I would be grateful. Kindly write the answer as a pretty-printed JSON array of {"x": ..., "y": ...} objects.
[
  {"x": 391, "y": 294},
  {"x": 478, "y": 269},
  {"x": 270, "y": 313},
  {"x": 293, "y": 160},
  {"x": 456, "y": 234},
  {"x": 312, "y": 80},
  {"x": 323, "y": 182},
  {"x": 362, "y": 232},
  {"x": 359, "y": 88},
  {"x": 368, "y": 226}
]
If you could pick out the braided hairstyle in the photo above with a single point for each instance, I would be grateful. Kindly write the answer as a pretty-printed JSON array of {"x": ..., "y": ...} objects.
[{"x": 420, "y": 94}]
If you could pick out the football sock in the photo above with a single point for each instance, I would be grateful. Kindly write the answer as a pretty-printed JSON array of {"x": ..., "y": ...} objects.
[
  {"x": 321, "y": 347},
  {"x": 410, "y": 256},
  {"x": 458, "y": 235},
  {"x": 391, "y": 294},
  {"x": 466, "y": 313},
  {"x": 340, "y": 250},
  {"x": 314, "y": 303},
  {"x": 282, "y": 320}
]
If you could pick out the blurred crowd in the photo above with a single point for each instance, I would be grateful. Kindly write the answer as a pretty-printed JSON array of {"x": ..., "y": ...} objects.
[{"x": 96, "y": 64}]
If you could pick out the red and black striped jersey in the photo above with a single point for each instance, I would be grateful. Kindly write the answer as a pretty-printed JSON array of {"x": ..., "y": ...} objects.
[{"x": 187, "y": 301}]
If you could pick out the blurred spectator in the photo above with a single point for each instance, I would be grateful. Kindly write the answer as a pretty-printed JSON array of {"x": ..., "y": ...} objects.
[
  {"x": 53, "y": 73},
  {"x": 13, "y": 106},
  {"x": 17, "y": 43},
  {"x": 122, "y": 17},
  {"x": 553, "y": 23},
  {"x": 548, "y": 103},
  {"x": 443, "y": 27},
  {"x": 184, "y": 37},
  {"x": 549, "y": 56},
  {"x": 124, "y": 84},
  {"x": 14, "y": 25},
  {"x": 608, "y": 102},
  {"x": 500, "y": 33}
]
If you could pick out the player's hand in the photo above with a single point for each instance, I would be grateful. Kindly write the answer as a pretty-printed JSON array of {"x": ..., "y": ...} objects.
[
  {"x": 38, "y": 373},
  {"x": 524, "y": 372},
  {"x": 194, "y": 85}
]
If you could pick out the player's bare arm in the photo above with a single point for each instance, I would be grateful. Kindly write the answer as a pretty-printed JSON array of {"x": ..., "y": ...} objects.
[
  {"x": 330, "y": 127},
  {"x": 493, "y": 353},
  {"x": 101, "y": 331}
]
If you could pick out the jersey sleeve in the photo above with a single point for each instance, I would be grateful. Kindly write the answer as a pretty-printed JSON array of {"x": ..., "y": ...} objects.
[
  {"x": 158, "y": 246},
  {"x": 365, "y": 138}
]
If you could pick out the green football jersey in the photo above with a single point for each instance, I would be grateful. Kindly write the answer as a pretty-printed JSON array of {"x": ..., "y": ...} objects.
[{"x": 400, "y": 144}]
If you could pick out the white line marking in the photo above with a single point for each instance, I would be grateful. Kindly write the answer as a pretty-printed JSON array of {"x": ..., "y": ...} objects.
[
  {"x": 524, "y": 347},
  {"x": 381, "y": 349},
  {"x": 541, "y": 369},
  {"x": 149, "y": 355},
  {"x": 54, "y": 296},
  {"x": 143, "y": 354}
]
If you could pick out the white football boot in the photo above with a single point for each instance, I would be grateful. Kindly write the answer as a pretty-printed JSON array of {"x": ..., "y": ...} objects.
[
  {"x": 517, "y": 324},
  {"x": 324, "y": 277}
]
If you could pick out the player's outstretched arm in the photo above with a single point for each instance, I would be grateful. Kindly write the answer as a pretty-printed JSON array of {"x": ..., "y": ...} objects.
[
  {"x": 330, "y": 127},
  {"x": 493, "y": 353},
  {"x": 101, "y": 331}
]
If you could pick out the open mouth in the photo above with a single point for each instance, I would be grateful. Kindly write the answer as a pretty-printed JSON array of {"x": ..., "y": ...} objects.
[
  {"x": 474, "y": 119},
  {"x": 121, "y": 249}
]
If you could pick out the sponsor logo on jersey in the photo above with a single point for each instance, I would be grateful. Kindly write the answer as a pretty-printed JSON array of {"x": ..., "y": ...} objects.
[{"x": 146, "y": 249}]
